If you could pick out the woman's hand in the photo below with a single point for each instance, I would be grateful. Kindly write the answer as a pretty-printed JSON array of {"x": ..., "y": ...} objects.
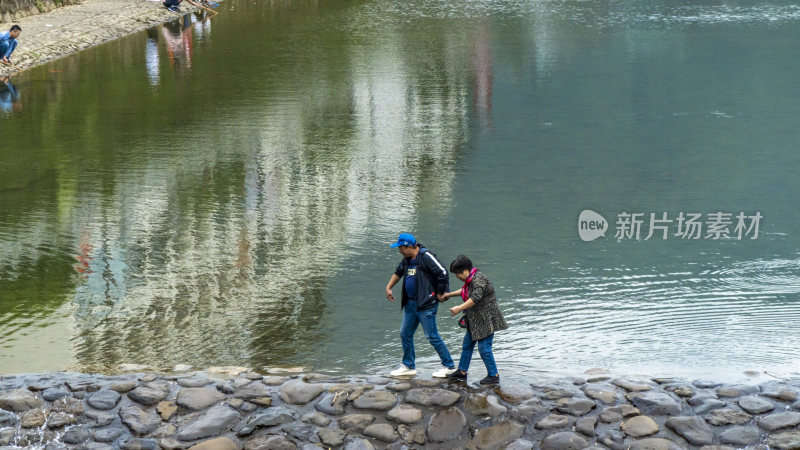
[{"x": 455, "y": 310}]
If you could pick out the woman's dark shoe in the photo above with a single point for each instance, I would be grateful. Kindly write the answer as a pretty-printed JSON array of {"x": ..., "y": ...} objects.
[
  {"x": 457, "y": 375},
  {"x": 491, "y": 380}
]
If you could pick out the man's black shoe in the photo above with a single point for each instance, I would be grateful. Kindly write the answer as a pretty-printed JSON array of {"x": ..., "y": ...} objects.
[
  {"x": 457, "y": 375},
  {"x": 491, "y": 380}
]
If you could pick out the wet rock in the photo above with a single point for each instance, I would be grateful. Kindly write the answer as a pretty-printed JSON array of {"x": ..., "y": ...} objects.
[
  {"x": 575, "y": 407},
  {"x": 123, "y": 386},
  {"x": 586, "y": 425},
  {"x": 404, "y": 414},
  {"x": 432, "y": 397},
  {"x": 699, "y": 399},
  {"x": 553, "y": 421},
  {"x": 262, "y": 401},
  {"x": 705, "y": 384},
  {"x": 220, "y": 443},
  {"x": 422, "y": 383},
  {"x": 610, "y": 416},
  {"x": 788, "y": 440},
  {"x": 356, "y": 421},
  {"x": 104, "y": 399},
  {"x": 740, "y": 436},
  {"x": 709, "y": 405},
  {"x": 566, "y": 440},
  {"x": 299, "y": 393},
  {"x": 214, "y": 421},
  {"x": 655, "y": 403},
  {"x": 87, "y": 384},
  {"x": 132, "y": 443},
  {"x": 166, "y": 410},
  {"x": 513, "y": 393},
  {"x": 520, "y": 444},
  {"x": 148, "y": 395},
  {"x": 332, "y": 437},
  {"x": 6, "y": 436},
  {"x": 412, "y": 434},
  {"x": 737, "y": 390},
  {"x": 484, "y": 404},
  {"x": 7, "y": 419},
  {"x": 780, "y": 393},
  {"x": 270, "y": 442},
  {"x": 381, "y": 431},
  {"x": 692, "y": 428},
  {"x": 613, "y": 439},
  {"x": 332, "y": 404},
  {"x": 398, "y": 387},
  {"x": 138, "y": 420},
  {"x": 108, "y": 434},
  {"x": 226, "y": 387},
  {"x": 274, "y": 380},
  {"x": 639, "y": 426},
  {"x": 607, "y": 397},
  {"x": 358, "y": 444},
  {"x": 446, "y": 425},
  {"x": 631, "y": 386},
  {"x": 75, "y": 435},
  {"x": 655, "y": 444},
  {"x": 777, "y": 421},
  {"x": 257, "y": 389},
  {"x": 728, "y": 417},
  {"x": 53, "y": 394},
  {"x": 316, "y": 418},
  {"x": 378, "y": 400},
  {"x": 32, "y": 419},
  {"x": 94, "y": 446},
  {"x": 556, "y": 393},
  {"x": 496, "y": 436},
  {"x": 197, "y": 399},
  {"x": 195, "y": 382},
  {"x": 69, "y": 405},
  {"x": 755, "y": 405},
  {"x": 98, "y": 418},
  {"x": 60, "y": 419},
  {"x": 269, "y": 418},
  {"x": 171, "y": 444},
  {"x": 299, "y": 431},
  {"x": 19, "y": 400}
]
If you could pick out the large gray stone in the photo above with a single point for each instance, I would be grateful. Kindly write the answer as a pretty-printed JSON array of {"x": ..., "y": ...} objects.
[
  {"x": 356, "y": 421},
  {"x": 104, "y": 399},
  {"x": 277, "y": 415},
  {"x": 788, "y": 440},
  {"x": 654, "y": 444},
  {"x": 639, "y": 426},
  {"x": 586, "y": 425},
  {"x": 19, "y": 400},
  {"x": 32, "y": 419},
  {"x": 613, "y": 439},
  {"x": 138, "y": 420},
  {"x": 432, "y": 397},
  {"x": 61, "y": 419},
  {"x": 779, "y": 392},
  {"x": 381, "y": 431},
  {"x": 253, "y": 389},
  {"x": 213, "y": 422},
  {"x": 484, "y": 404},
  {"x": 575, "y": 406},
  {"x": 737, "y": 390},
  {"x": 378, "y": 400},
  {"x": 224, "y": 443},
  {"x": 446, "y": 425},
  {"x": 514, "y": 393},
  {"x": 520, "y": 444},
  {"x": 317, "y": 418},
  {"x": 777, "y": 421},
  {"x": 358, "y": 444},
  {"x": 566, "y": 440},
  {"x": 606, "y": 396},
  {"x": 631, "y": 386},
  {"x": 332, "y": 437},
  {"x": 496, "y": 436},
  {"x": 553, "y": 421},
  {"x": 109, "y": 434},
  {"x": 709, "y": 405},
  {"x": 54, "y": 393},
  {"x": 720, "y": 417},
  {"x": 655, "y": 403},
  {"x": 404, "y": 414},
  {"x": 740, "y": 435},
  {"x": 75, "y": 435},
  {"x": 332, "y": 403},
  {"x": 132, "y": 443},
  {"x": 692, "y": 428},
  {"x": 148, "y": 394},
  {"x": 7, "y": 419},
  {"x": 299, "y": 393},
  {"x": 755, "y": 405},
  {"x": 197, "y": 399}
]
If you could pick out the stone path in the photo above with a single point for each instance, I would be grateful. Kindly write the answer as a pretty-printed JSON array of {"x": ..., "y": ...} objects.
[
  {"x": 208, "y": 410},
  {"x": 67, "y": 30}
]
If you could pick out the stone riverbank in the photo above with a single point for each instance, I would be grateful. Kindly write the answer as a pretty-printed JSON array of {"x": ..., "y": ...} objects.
[
  {"x": 72, "y": 28},
  {"x": 213, "y": 410}
]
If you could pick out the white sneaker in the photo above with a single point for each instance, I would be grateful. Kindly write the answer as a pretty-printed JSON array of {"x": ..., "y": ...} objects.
[
  {"x": 443, "y": 372},
  {"x": 403, "y": 371}
]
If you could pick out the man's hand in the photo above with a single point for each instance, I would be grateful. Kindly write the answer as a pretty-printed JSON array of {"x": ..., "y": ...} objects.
[
  {"x": 455, "y": 310},
  {"x": 442, "y": 297},
  {"x": 389, "y": 295}
]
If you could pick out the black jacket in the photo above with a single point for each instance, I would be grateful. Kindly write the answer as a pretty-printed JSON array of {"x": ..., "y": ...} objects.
[{"x": 433, "y": 280}]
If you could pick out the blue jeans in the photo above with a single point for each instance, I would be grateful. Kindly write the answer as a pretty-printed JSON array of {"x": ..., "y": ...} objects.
[
  {"x": 427, "y": 318},
  {"x": 7, "y": 47},
  {"x": 484, "y": 348}
]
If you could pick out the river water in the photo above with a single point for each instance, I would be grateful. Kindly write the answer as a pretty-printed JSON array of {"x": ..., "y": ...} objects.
[{"x": 224, "y": 191}]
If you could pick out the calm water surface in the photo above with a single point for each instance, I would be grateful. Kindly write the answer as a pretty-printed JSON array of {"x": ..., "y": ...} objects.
[{"x": 223, "y": 192}]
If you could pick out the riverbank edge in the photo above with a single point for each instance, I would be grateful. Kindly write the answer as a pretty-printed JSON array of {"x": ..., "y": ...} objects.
[
  {"x": 235, "y": 408},
  {"x": 69, "y": 29}
]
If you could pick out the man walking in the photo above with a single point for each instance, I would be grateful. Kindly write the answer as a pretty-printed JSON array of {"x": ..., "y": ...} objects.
[
  {"x": 8, "y": 42},
  {"x": 424, "y": 278}
]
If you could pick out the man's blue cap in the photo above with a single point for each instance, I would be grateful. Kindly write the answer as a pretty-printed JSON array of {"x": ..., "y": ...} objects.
[{"x": 405, "y": 239}]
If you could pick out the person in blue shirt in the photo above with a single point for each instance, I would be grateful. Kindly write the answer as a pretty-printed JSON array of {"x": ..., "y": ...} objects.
[
  {"x": 8, "y": 42},
  {"x": 424, "y": 280}
]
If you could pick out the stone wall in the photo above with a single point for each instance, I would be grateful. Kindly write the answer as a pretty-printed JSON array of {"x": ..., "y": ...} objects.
[{"x": 11, "y": 10}]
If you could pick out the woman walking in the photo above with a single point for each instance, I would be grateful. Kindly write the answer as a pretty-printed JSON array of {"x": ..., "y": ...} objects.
[{"x": 482, "y": 317}]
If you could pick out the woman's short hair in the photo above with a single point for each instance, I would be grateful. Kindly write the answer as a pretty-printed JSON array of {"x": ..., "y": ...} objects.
[{"x": 460, "y": 264}]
